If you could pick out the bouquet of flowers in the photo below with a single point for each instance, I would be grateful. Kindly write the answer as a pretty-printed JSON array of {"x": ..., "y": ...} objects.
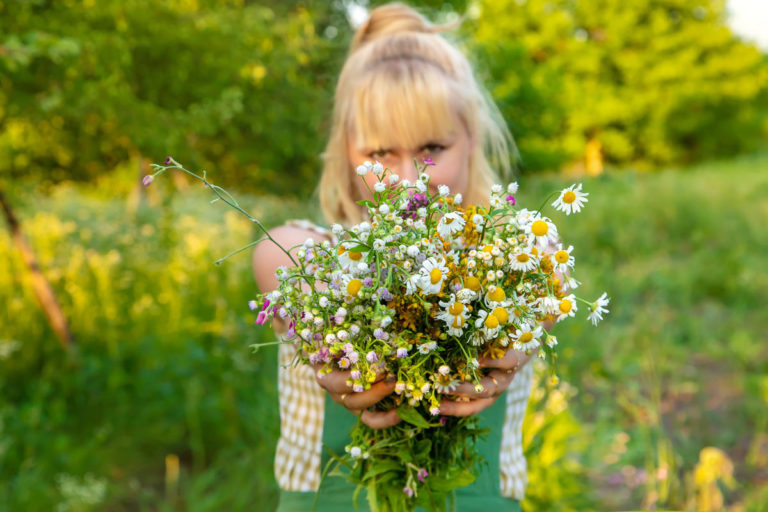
[{"x": 419, "y": 291}]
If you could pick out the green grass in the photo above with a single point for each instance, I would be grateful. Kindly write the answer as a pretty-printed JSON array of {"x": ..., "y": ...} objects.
[{"x": 163, "y": 365}]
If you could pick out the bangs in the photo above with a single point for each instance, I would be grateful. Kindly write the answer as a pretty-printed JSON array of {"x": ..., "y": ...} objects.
[{"x": 404, "y": 104}]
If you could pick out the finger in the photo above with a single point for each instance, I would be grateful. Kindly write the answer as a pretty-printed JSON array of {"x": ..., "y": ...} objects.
[
  {"x": 334, "y": 382},
  {"x": 377, "y": 420},
  {"x": 511, "y": 360},
  {"x": 467, "y": 389},
  {"x": 367, "y": 398},
  {"x": 450, "y": 408}
]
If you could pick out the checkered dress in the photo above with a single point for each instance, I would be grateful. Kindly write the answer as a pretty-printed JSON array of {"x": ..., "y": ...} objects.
[{"x": 302, "y": 407}]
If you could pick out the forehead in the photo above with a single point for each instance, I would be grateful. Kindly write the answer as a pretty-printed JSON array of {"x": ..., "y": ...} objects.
[{"x": 403, "y": 111}]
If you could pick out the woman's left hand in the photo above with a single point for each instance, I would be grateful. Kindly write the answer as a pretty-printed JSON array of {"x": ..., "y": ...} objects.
[{"x": 494, "y": 384}]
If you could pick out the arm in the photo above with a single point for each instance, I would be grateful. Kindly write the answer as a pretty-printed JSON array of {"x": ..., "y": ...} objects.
[{"x": 267, "y": 257}]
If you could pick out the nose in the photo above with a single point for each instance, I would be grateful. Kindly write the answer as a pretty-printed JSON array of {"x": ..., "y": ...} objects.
[{"x": 407, "y": 169}]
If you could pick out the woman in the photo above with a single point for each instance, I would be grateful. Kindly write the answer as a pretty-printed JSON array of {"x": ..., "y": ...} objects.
[{"x": 405, "y": 94}]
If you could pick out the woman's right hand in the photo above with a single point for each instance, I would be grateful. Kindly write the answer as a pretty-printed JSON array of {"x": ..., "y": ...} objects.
[{"x": 358, "y": 403}]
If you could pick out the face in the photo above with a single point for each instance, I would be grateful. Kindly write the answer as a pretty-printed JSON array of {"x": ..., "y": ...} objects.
[{"x": 450, "y": 153}]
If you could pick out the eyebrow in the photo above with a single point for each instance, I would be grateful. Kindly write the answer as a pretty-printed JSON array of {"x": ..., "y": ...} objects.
[{"x": 442, "y": 141}]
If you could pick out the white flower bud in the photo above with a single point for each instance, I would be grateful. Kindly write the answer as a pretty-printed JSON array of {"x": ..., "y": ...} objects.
[
  {"x": 457, "y": 199},
  {"x": 443, "y": 190},
  {"x": 361, "y": 170},
  {"x": 378, "y": 169},
  {"x": 380, "y": 187},
  {"x": 512, "y": 188},
  {"x": 393, "y": 178}
]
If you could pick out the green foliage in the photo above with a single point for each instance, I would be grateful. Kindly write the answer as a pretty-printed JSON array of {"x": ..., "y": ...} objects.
[
  {"x": 242, "y": 88},
  {"x": 245, "y": 88},
  {"x": 654, "y": 81},
  {"x": 162, "y": 365}
]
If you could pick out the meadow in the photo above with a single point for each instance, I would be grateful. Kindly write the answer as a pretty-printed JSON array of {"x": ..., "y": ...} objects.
[{"x": 161, "y": 405}]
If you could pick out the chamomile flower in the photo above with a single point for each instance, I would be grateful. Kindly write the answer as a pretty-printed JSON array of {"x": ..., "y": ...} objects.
[
  {"x": 488, "y": 324},
  {"x": 522, "y": 260},
  {"x": 454, "y": 315},
  {"x": 443, "y": 190},
  {"x": 571, "y": 199},
  {"x": 348, "y": 258},
  {"x": 426, "y": 348},
  {"x": 526, "y": 337},
  {"x": 542, "y": 231},
  {"x": 562, "y": 259},
  {"x": 445, "y": 383},
  {"x": 597, "y": 309},
  {"x": 495, "y": 296},
  {"x": 433, "y": 272},
  {"x": 413, "y": 283},
  {"x": 450, "y": 224},
  {"x": 567, "y": 307},
  {"x": 548, "y": 305},
  {"x": 351, "y": 286}
]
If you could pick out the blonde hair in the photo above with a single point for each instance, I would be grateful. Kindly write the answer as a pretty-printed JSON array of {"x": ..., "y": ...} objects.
[{"x": 402, "y": 81}]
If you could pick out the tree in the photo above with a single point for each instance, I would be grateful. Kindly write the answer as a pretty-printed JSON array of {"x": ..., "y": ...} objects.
[{"x": 654, "y": 81}]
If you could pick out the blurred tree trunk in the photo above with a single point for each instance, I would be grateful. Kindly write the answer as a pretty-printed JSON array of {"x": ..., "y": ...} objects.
[{"x": 42, "y": 288}]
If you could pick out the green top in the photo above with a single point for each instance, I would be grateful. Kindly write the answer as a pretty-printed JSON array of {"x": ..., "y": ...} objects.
[{"x": 482, "y": 495}]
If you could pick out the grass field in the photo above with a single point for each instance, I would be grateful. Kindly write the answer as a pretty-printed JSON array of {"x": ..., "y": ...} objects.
[{"x": 661, "y": 406}]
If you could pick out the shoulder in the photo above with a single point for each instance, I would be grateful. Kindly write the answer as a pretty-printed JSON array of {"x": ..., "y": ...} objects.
[{"x": 268, "y": 255}]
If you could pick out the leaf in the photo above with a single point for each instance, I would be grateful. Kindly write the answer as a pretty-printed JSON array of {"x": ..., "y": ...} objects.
[
  {"x": 451, "y": 481},
  {"x": 357, "y": 248},
  {"x": 381, "y": 467},
  {"x": 410, "y": 415}
]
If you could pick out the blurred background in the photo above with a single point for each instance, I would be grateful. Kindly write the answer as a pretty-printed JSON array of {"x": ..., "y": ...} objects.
[{"x": 126, "y": 378}]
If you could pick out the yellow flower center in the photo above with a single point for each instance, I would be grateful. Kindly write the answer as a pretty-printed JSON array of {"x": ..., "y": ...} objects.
[
  {"x": 562, "y": 256},
  {"x": 457, "y": 322},
  {"x": 354, "y": 286},
  {"x": 539, "y": 228},
  {"x": 472, "y": 283},
  {"x": 491, "y": 322},
  {"x": 448, "y": 220},
  {"x": 456, "y": 308},
  {"x": 499, "y": 261},
  {"x": 546, "y": 265},
  {"x": 341, "y": 250},
  {"x": 435, "y": 275},
  {"x": 565, "y": 306},
  {"x": 497, "y": 294},
  {"x": 569, "y": 197},
  {"x": 534, "y": 251},
  {"x": 526, "y": 337},
  {"x": 354, "y": 256},
  {"x": 488, "y": 248},
  {"x": 523, "y": 258},
  {"x": 501, "y": 314}
]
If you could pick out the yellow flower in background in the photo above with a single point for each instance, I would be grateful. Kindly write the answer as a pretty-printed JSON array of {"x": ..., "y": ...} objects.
[{"x": 714, "y": 464}]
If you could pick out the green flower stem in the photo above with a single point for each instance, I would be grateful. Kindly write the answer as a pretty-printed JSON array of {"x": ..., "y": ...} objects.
[
  {"x": 225, "y": 258},
  {"x": 546, "y": 201},
  {"x": 226, "y": 197}
]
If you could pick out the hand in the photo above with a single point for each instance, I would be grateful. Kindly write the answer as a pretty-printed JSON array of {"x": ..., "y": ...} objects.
[
  {"x": 494, "y": 384},
  {"x": 358, "y": 403}
]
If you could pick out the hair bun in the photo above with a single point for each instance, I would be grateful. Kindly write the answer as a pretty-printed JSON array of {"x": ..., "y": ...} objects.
[{"x": 391, "y": 19}]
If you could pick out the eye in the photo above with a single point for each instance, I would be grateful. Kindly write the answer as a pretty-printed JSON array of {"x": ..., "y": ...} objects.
[
  {"x": 432, "y": 148},
  {"x": 379, "y": 154}
]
